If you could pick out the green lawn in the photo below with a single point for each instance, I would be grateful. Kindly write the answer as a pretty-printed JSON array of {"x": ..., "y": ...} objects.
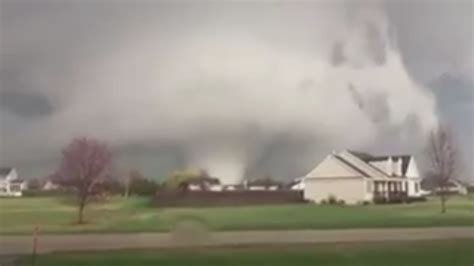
[
  {"x": 432, "y": 253},
  {"x": 53, "y": 215}
]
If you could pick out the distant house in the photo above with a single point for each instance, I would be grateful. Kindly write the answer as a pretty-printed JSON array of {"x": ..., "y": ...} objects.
[
  {"x": 201, "y": 184},
  {"x": 205, "y": 183},
  {"x": 357, "y": 177},
  {"x": 10, "y": 184},
  {"x": 237, "y": 187},
  {"x": 452, "y": 187},
  {"x": 50, "y": 185},
  {"x": 263, "y": 184},
  {"x": 297, "y": 184}
]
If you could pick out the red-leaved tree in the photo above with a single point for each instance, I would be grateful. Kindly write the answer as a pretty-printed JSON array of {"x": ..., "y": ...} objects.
[{"x": 85, "y": 164}]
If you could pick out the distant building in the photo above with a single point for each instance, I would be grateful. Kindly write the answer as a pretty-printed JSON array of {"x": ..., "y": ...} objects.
[
  {"x": 297, "y": 184},
  {"x": 202, "y": 184},
  {"x": 357, "y": 177},
  {"x": 264, "y": 184},
  {"x": 50, "y": 185},
  {"x": 452, "y": 187},
  {"x": 10, "y": 184}
]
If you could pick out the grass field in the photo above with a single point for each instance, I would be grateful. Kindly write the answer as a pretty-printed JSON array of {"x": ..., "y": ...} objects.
[
  {"x": 53, "y": 215},
  {"x": 442, "y": 253}
]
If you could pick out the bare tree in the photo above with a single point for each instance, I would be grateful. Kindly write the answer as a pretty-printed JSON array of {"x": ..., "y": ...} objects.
[
  {"x": 84, "y": 166},
  {"x": 443, "y": 159}
]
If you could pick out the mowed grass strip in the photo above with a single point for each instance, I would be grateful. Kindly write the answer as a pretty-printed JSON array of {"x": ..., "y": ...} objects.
[
  {"x": 57, "y": 215},
  {"x": 442, "y": 253}
]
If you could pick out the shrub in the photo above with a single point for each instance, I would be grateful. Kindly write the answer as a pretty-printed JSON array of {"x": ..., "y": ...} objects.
[
  {"x": 341, "y": 202},
  {"x": 111, "y": 187},
  {"x": 380, "y": 200},
  {"x": 332, "y": 200},
  {"x": 177, "y": 178},
  {"x": 324, "y": 202},
  {"x": 143, "y": 187}
]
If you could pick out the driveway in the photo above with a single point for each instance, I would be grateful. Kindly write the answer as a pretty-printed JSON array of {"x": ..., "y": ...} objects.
[{"x": 10, "y": 245}]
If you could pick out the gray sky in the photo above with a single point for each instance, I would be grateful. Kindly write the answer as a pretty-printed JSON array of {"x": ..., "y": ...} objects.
[{"x": 239, "y": 88}]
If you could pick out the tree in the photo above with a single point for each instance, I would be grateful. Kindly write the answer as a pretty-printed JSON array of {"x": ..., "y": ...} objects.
[
  {"x": 443, "y": 160},
  {"x": 34, "y": 184},
  {"x": 174, "y": 181},
  {"x": 140, "y": 185},
  {"x": 85, "y": 165}
]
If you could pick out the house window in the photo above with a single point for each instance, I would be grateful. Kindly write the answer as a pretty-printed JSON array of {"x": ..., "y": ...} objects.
[{"x": 417, "y": 187}]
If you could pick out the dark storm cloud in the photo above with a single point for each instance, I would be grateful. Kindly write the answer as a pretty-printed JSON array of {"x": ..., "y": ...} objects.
[
  {"x": 287, "y": 156},
  {"x": 374, "y": 105},
  {"x": 375, "y": 44},
  {"x": 434, "y": 36},
  {"x": 337, "y": 54},
  {"x": 356, "y": 96},
  {"x": 28, "y": 105},
  {"x": 170, "y": 84},
  {"x": 444, "y": 85},
  {"x": 456, "y": 109}
]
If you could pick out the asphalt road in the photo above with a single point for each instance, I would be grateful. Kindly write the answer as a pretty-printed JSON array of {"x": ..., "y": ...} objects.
[{"x": 10, "y": 245}]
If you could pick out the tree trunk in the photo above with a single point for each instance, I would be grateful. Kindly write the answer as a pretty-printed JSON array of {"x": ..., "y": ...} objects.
[
  {"x": 80, "y": 217},
  {"x": 127, "y": 189},
  {"x": 443, "y": 203}
]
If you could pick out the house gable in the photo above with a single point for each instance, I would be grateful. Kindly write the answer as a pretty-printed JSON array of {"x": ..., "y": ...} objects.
[
  {"x": 331, "y": 166},
  {"x": 387, "y": 165},
  {"x": 8, "y": 173},
  {"x": 412, "y": 169},
  {"x": 5, "y": 171}
]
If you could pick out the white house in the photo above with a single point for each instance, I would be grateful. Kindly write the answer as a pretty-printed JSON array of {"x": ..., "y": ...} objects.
[
  {"x": 50, "y": 185},
  {"x": 452, "y": 187},
  {"x": 265, "y": 184},
  {"x": 202, "y": 184},
  {"x": 297, "y": 184},
  {"x": 10, "y": 184},
  {"x": 357, "y": 177}
]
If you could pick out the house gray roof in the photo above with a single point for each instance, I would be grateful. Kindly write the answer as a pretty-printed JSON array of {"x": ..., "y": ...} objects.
[
  {"x": 4, "y": 171},
  {"x": 366, "y": 157},
  {"x": 352, "y": 166}
]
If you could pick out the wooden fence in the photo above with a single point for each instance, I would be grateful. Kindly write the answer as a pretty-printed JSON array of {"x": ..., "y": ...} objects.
[{"x": 225, "y": 198}]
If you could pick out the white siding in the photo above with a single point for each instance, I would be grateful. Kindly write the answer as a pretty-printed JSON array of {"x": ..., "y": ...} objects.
[
  {"x": 414, "y": 180},
  {"x": 368, "y": 189},
  {"x": 412, "y": 170},
  {"x": 331, "y": 167},
  {"x": 414, "y": 187},
  {"x": 13, "y": 175},
  {"x": 215, "y": 188},
  {"x": 397, "y": 165},
  {"x": 257, "y": 188},
  {"x": 351, "y": 190}
]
